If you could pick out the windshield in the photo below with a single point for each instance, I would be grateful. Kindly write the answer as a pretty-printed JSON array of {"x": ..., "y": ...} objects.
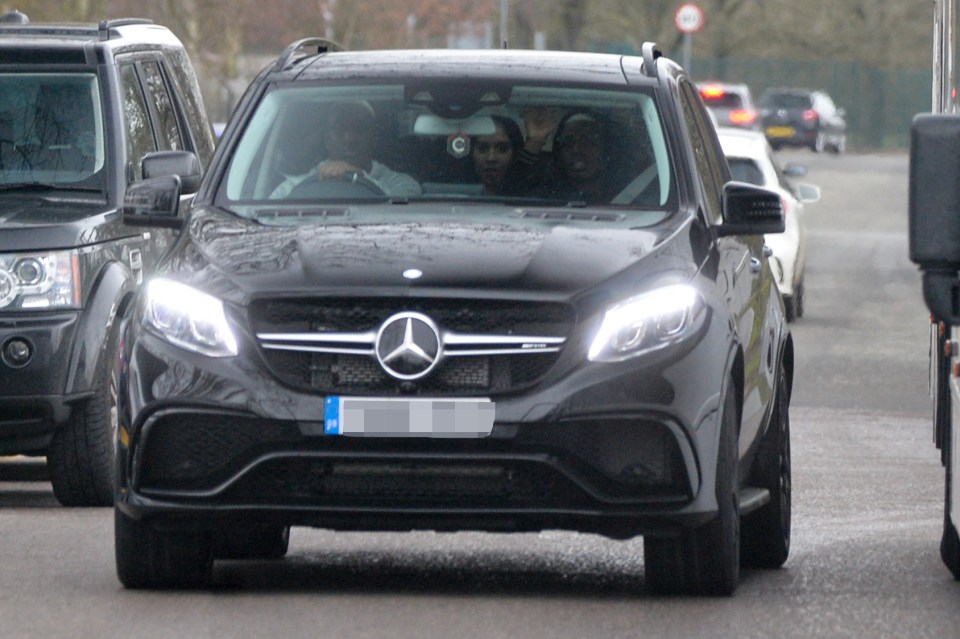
[
  {"x": 429, "y": 141},
  {"x": 745, "y": 170},
  {"x": 51, "y": 130},
  {"x": 786, "y": 101}
]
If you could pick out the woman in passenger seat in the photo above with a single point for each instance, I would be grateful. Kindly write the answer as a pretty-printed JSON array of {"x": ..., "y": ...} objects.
[
  {"x": 589, "y": 158},
  {"x": 494, "y": 157}
]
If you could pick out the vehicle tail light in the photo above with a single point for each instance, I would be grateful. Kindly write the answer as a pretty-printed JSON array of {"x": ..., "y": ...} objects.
[
  {"x": 810, "y": 115},
  {"x": 712, "y": 91},
  {"x": 783, "y": 204},
  {"x": 743, "y": 116}
]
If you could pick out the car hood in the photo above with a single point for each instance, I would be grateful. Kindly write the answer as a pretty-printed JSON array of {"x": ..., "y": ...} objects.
[
  {"x": 239, "y": 259},
  {"x": 40, "y": 224}
]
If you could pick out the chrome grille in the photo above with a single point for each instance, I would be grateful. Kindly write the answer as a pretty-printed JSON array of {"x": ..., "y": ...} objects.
[{"x": 328, "y": 345}]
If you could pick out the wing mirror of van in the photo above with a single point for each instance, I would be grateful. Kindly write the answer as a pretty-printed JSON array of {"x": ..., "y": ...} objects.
[{"x": 934, "y": 210}]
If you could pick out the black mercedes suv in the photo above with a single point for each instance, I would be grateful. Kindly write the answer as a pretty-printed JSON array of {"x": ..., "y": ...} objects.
[
  {"x": 459, "y": 290},
  {"x": 80, "y": 107}
]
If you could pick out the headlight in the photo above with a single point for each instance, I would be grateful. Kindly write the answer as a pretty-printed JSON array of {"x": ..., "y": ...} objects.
[
  {"x": 40, "y": 280},
  {"x": 188, "y": 318},
  {"x": 645, "y": 323}
]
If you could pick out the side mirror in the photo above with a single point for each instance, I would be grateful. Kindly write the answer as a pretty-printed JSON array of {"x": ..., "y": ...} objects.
[
  {"x": 750, "y": 210},
  {"x": 153, "y": 202},
  {"x": 934, "y": 209},
  {"x": 792, "y": 169},
  {"x": 183, "y": 164},
  {"x": 807, "y": 193}
]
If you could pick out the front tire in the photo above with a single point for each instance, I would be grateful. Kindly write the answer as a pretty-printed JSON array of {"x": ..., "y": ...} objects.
[
  {"x": 765, "y": 533},
  {"x": 82, "y": 452},
  {"x": 148, "y": 558},
  {"x": 819, "y": 142},
  {"x": 949, "y": 540},
  {"x": 841, "y": 145},
  {"x": 705, "y": 560},
  {"x": 258, "y": 542},
  {"x": 799, "y": 294},
  {"x": 790, "y": 308}
]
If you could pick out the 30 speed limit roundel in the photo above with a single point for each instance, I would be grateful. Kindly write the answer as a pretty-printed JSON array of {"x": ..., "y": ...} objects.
[{"x": 689, "y": 18}]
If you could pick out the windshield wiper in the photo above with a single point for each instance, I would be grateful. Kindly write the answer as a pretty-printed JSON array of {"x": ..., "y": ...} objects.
[
  {"x": 304, "y": 212},
  {"x": 35, "y": 187}
]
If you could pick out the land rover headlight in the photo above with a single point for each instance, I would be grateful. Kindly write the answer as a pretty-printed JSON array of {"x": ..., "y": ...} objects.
[
  {"x": 48, "y": 280},
  {"x": 189, "y": 318},
  {"x": 647, "y": 322}
]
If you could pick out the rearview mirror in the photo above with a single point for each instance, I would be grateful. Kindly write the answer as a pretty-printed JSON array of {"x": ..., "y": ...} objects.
[
  {"x": 807, "y": 193},
  {"x": 792, "y": 169},
  {"x": 430, "y": 124}
]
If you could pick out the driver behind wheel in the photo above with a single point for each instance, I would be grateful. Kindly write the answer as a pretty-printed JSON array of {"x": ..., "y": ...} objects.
[{"x": 349, "y": 141}]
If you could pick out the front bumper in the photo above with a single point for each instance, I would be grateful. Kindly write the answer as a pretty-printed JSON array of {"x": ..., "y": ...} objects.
[
  {"x": 33, "y": 400},
  {"x": 615, "y": 449}
]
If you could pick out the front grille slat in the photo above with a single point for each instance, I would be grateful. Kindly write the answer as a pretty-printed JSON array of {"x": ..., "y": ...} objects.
[
  {"x": 326, "y": 345},
  {"x": 407, "y": 484}
]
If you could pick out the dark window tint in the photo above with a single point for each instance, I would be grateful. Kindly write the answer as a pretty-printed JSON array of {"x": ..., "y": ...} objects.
[
  {"x": 167, "y": 127},
  {"x": 184, "y": 79},
  {"x": 706, "y": 151},
  {"x": 787, "y": 101},
  {"x": 725, "y": 101},
  {"x": 139, "y": 135},
  {"x": 50, "y": 128}
]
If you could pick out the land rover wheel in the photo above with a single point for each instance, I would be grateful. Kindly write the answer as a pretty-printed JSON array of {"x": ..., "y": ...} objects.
[{"x": 82, "y": 453}]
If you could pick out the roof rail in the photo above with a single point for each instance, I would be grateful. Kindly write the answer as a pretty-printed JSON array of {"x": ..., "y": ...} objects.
[
  {"x": 105, "y": 25},
  {"x": 650, "y": 54},
  {"x": 322, "y": 45},
  {"x": 14, "y": 17}
]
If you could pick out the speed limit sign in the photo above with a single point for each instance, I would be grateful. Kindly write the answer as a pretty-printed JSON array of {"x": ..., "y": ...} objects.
[{"x": 689, "y": 18}]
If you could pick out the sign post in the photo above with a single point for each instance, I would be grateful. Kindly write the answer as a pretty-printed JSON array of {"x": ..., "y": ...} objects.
[{"x": 689, "y": 19}]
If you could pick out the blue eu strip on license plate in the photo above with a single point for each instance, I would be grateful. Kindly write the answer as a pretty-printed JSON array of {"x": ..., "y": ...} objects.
[{"x": 403, "y": 417}]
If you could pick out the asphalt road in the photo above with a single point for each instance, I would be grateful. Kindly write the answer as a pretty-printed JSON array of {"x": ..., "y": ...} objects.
[{"x": 867, "y": 507}]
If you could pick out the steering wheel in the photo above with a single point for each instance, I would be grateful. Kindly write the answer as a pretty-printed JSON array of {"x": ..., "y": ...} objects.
[
  {"x": 349, "y": 185},
  {"x": 21, "y": 153}
]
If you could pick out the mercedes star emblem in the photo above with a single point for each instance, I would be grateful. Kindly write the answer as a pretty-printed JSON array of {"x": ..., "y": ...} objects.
[{"x": 408, "y": 345}]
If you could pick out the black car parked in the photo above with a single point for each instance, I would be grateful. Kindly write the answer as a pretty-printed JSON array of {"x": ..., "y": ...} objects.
[
  {"x": 393, "y": 334},
  {"x": 799, "y": 117},
  {"x": 80, "y": 107}
]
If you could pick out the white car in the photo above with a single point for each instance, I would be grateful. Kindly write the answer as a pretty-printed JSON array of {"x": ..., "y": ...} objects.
[{"x": 751, "y": 160}]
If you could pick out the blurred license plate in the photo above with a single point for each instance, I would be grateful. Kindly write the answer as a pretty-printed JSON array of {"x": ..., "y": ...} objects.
[
  {"x": 402, "y": 417},
  {"x": 780, "y": 131}
]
